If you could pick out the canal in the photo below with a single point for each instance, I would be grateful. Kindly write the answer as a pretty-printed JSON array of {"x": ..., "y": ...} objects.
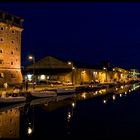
[{"x": 105, "y": 113}]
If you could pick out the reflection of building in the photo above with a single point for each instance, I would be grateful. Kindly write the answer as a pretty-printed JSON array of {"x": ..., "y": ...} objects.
[
  {"x": 10, "y": 48},
  {"x": 9, "y": 123}
]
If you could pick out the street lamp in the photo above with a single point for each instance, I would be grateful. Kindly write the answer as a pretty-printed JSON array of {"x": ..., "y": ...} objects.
[
  {"x": 73, "y": 69},
  {"x": 33, "y": 59},
  {"x": 105, "y": 72}
]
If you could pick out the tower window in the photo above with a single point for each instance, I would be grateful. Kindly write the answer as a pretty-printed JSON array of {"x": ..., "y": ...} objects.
[
  {"x": 12, "y": 52},
  {"x": 1, "y": 28},
  {"x": 16, "y": 48},
  {"x": 13, "y": 31},
  {"x": 1, "y": 39},
  {"x": 12, "y": 42},
  {"x": 12, "y": 63},
  {"x": 0, "y": 51},
  {"x": 1, "y": 61}
]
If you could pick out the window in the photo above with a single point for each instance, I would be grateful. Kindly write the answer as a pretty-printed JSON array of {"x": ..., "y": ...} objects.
[
  {"x": 16, "y": 48},
  {"x": 12, "y": 76},
  {"x": 1, "y": 62},
  {"x": 0, "y": 51},
  {"x": 1, "y": 75},
  {"x": 12, "y": 52},
  {"x": 1, "y": 39},
  {"x": 1, "y": 28},
  {"x": 12, "y": 63},
  {"x": 13, "y": 31},
  {"x": 12, "y": 42}
]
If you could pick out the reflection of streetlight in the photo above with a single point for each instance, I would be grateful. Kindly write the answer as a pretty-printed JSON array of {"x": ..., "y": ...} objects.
[
  {"x": 73, "y": 104},
  {"x": 33, "y": 59},
  {"x": 104, "y": 101},
  {"x": 29, "y": 131}
]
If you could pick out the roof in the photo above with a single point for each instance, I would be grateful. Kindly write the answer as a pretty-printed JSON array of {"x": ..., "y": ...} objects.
[{"x": 50, "y": 62}]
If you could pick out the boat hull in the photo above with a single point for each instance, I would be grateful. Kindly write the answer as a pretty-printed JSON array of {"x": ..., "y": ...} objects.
[
  {"x": 43, "y": 94},
  {"x": 12, "y": 99}
]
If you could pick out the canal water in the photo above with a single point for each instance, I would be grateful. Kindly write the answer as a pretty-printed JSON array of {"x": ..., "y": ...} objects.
[{"x": 105, "y": 113}]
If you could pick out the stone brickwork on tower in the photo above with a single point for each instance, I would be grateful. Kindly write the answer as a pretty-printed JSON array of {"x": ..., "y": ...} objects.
[{"x": 10, "y": 48}]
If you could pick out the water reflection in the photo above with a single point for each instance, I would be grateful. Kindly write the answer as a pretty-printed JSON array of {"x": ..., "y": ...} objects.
[
  {"x": 10, "y": 123},
  {"x": 20, "y": 121}
]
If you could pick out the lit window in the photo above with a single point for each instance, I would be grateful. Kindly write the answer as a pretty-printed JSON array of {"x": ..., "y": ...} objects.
[
  {"x": 42, "y": 77},
  {"x": 29, "y": 77}
]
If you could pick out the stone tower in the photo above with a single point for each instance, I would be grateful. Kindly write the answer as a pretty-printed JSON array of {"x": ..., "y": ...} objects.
[{"x": 10, "y": 48}]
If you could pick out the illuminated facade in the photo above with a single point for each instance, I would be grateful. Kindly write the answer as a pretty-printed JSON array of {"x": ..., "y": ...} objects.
[
  {"x": 10, "y": 48},
  {"x": 48, "y": 69}
]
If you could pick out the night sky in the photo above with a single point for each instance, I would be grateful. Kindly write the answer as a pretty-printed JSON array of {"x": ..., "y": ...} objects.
[{"x": 87, "y": 32}]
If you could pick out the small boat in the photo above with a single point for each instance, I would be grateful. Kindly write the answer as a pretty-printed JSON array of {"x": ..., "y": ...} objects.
[
  {"x": 44, "y": 93},
  {"x": 65, "y": 90},
  {"x": 11, "y": 99}
]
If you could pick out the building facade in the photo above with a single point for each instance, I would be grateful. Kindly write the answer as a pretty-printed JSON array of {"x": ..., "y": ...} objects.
[
  {"x": 10, "y": 48},
  {"x": 51, "y": 69}
]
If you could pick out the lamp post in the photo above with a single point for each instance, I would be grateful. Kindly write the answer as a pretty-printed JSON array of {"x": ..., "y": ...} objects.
[
  {"x": 73, "y": 69},
  {"x": 33, "y": 59},
  {"x": 105, "y": 72}
]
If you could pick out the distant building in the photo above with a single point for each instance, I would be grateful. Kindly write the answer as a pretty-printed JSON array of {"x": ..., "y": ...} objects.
[
  {"x": 134, "y": 74},
  {"x": 10, "y": 48},
  {"x": 49, "y": 69},
  {"x": 54, "y": 70},
  {"x": 58, "y": 71}
]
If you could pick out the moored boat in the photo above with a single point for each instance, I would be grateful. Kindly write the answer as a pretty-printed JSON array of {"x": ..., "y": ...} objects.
[
  {"x": 11, "y": 99},
  {"x": 44, "y": 93},
  {"x": 6, "y": 99}
]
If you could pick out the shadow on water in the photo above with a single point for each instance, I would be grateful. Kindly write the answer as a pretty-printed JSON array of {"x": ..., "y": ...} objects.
[{"x": 105, "y": 113}]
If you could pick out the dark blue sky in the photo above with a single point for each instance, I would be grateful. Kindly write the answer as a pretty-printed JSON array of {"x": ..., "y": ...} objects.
[{"x": 89, "y": 32}]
